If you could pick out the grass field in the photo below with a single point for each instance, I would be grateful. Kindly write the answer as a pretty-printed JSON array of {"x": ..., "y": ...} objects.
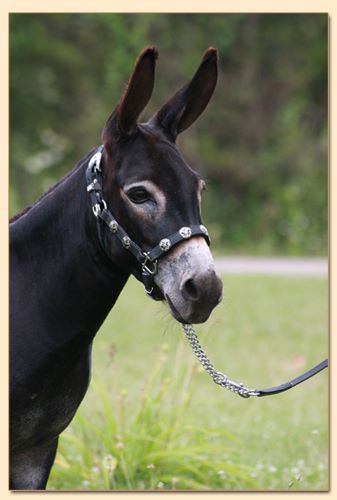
[{"x": 154, "y": 420}]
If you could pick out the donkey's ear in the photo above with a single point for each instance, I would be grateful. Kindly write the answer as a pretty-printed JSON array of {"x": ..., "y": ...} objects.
[
  {"x": 123, "y": 120},
  {"x": 190, "y": 101}
]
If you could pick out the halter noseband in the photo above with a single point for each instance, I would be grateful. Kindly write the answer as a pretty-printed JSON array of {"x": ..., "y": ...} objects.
[{"x": 147, "y": 260}]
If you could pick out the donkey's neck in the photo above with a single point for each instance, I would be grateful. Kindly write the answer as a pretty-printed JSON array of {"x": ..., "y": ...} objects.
[{"x": 56, "y": 242}]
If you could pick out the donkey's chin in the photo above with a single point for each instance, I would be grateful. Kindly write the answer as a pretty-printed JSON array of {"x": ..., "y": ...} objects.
[
  {"x": 175, "y": 313},
  {"x": 157, "y": 294},
  {"x": 188, "y": 316}
]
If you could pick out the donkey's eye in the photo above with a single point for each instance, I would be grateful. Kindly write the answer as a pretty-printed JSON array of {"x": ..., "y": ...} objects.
[{"x": 139, "y": 195}]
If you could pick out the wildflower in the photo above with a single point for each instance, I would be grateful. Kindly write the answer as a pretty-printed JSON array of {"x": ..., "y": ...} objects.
[
  {"x": 160, "y": 485},
  {"x": 85, "y": 482},
  {"x": 120, "y": 445},
  {"x": 272, "y": 468},
  {"x": 109, "y": 463},
  {"x": 315, "y": 432},
  {"x": 150, "y": 466},
  {"x": 95, "y": 469},
  {"x": 221, "y": 473}
]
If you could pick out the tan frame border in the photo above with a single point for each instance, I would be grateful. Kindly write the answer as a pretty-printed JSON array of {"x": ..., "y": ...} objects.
[{"x": 324, "y": 6}]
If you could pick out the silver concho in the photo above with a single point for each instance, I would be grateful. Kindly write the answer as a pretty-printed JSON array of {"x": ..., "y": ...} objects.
[
  {"x": 185, "y": 232},
  {"x": 113, "y": 225},
  {"x": 203, "y": 229},
  {"x": 126, "y": 242},
  {"x": 165, "y": 244}
]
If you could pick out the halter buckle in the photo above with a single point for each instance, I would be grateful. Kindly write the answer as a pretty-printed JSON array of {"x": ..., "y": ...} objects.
[
  {"x": 97, "y": 208},
  {"x": 145, "y": 265},
  {"x": 148, "y": 273}
]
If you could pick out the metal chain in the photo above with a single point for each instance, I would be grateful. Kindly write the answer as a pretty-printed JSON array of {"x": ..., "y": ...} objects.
[{"x": 218, "y": 377}]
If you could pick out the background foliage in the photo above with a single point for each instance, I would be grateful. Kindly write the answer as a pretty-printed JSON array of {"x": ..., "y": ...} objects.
[{"x": 262, "y": 144}]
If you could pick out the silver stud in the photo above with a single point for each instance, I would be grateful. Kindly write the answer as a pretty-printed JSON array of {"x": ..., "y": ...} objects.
[
  {"x": 126, "y": 242},
  {"x": 91, "y": 186},
  {"x": 203, "y": 229},
  {"x": 165, "y": 244},
  {"x": 185, "y": 232},
  {"x": 113, "y": 225}
]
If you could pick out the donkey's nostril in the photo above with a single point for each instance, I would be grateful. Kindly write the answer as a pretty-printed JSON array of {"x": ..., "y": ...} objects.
[
  {"x": 203, "y": 289},
  {"x": 189, "y": 290}
]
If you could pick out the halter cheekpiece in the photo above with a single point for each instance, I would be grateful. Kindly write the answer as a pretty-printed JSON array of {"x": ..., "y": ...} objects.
[{"x": 147, "y": 260}]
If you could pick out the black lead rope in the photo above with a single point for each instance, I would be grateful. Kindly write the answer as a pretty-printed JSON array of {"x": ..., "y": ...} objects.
[
  {"x": 148, "y": 262},
  {"x": 296, "y": 381}
]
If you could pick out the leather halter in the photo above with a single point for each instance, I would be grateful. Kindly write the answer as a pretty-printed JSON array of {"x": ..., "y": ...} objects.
[{"x": 147, "y": 260}]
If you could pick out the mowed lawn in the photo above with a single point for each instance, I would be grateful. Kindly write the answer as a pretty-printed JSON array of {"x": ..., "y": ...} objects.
[{"x": 154, "y": 420}]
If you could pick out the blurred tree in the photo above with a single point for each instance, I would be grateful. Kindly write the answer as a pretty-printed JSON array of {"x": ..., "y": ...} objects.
[{"x": 262, "y": 144}]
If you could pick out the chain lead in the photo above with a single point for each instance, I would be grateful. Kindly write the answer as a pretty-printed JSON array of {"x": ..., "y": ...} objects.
[{"x": 218, "y": 377}]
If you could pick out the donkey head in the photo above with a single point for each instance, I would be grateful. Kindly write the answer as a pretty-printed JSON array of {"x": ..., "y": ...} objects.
[{"x": 153, "y": 192}]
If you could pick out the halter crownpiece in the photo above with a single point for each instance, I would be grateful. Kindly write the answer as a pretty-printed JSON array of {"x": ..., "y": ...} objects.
[{"x": 148, "y": 262}]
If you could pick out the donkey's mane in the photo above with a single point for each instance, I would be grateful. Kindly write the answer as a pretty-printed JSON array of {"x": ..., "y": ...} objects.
[{"x": 51, "y": 189}]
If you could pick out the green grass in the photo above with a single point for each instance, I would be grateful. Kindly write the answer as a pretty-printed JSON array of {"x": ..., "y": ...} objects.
[{"x": 153, "y": 419}]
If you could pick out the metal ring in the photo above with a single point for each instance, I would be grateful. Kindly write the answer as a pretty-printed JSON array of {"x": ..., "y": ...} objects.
[
  {"x": 95, "y": 162},
  {"x": 97, "y": 209}
]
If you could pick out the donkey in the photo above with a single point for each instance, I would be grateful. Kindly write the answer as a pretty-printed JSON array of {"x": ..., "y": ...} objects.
[{"x": 72, "y": 252}]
